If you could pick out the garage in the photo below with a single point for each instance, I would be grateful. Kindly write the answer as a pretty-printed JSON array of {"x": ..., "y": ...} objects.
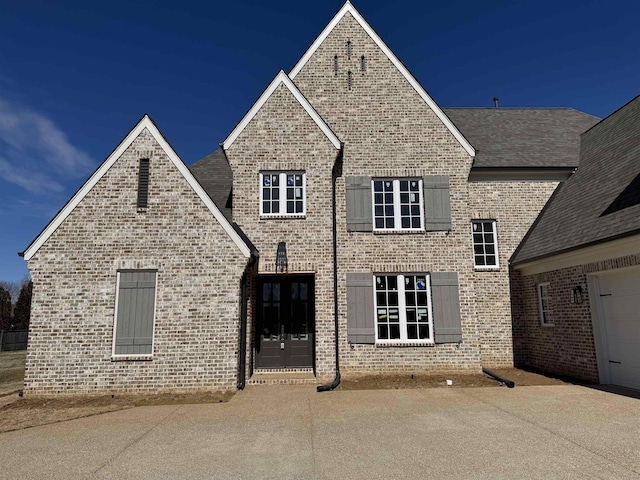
[{"x": 619, "y": 319}]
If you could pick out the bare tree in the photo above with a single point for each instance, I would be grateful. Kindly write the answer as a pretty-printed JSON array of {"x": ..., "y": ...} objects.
[{"x": 14, "y": 287}]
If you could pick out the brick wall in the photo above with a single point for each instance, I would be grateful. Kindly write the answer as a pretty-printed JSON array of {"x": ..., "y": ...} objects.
[
  {"x": 389, "y": 131},
  {"x": 74, "y": 275},
  {"x": 567, "y": 347},
  {"x": 282, "y": 136},
  {"x": 514, "y": 205}
]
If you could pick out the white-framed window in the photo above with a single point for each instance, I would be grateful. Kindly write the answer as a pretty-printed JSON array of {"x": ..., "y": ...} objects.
[
  {"x": 397, "y": 204},
  {"x": 544, "y": 304},
  {"x": 485, "y": 244},
  {"x": 283, "y": 193},
  {"x": 403, "y": 308},
  {"x": 135, "y": 313}
]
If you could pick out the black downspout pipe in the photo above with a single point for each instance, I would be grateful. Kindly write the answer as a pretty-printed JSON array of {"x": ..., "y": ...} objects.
[
  {"x": 506, "y": 381},
  {"x": 336, "y": 171},
  {"x": 244, "y": 296}
]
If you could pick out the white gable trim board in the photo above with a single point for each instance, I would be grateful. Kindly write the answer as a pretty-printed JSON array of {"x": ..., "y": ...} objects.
[
  {"x": 283, "y": 79},
  {"x": 348, "y": 7},
  {"x": 147, "y": 123},
  {"x": 620, "y": 247}
]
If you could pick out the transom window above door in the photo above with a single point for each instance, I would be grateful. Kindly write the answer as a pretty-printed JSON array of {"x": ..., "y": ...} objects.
[
  {"x": 397, "y": 204},
  {"x": 282, "y": 193}
]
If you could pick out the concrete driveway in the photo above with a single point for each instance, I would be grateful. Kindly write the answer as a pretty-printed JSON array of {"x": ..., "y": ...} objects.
[{"x": 292, "y": 432}]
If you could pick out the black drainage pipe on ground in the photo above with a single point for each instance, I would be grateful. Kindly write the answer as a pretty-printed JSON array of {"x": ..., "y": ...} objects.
[{"x": 506, "y": 381}]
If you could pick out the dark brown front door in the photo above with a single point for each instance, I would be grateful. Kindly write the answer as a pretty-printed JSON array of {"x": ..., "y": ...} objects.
[{"x": 285, "y": 321}]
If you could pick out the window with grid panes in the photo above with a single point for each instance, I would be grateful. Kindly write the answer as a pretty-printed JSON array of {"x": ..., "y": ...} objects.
[
  {"x": 403, "y": 308},
  {"x": 397, "y": 204},
  {"x": 485, "y": 244},
  {"x": 282, "y": 193}
]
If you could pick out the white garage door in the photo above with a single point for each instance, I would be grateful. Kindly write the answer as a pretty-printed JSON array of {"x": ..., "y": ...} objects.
[{"x": 620, "y": 300}]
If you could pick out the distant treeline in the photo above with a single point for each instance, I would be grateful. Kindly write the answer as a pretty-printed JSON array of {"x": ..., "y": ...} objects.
[{"x": 15, "y": 304}]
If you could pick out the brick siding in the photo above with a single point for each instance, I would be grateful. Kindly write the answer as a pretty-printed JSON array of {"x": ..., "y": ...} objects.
[
  {"x": 514, "y": 205},
  {"x": 74, "y": 276},
  {"x": 567, "y": 347}
]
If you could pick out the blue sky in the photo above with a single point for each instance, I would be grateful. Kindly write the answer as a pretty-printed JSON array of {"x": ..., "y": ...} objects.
[{"x": 76, "y": 76}]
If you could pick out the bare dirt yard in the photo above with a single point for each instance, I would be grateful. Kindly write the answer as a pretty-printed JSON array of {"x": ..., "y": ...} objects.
[
  {"x": 18, "y": 412},
  {"x": 22, "y": 412},
  {"x": 520, "y": 377}
]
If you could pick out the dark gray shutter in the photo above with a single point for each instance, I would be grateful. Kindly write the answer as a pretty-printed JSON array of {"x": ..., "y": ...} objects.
[
  {"x": 359, "y": 215},
  {"x": 437, "y": 204},
  {"x": 143, "y": 183},
  {"x": 360, "y": 321},
  {"x": 134, "y": 319},
  {"x": 445, "y": 297}
]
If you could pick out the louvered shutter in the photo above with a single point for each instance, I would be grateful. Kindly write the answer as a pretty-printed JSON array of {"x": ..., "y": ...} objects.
[{"x": 143, "y": 183}]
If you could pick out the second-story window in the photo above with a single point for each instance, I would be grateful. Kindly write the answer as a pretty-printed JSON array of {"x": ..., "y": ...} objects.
[
  {"x": 485, "y": 244},
  {"x": 282, "y": 193},
  {"x": 397, "y": 204}
]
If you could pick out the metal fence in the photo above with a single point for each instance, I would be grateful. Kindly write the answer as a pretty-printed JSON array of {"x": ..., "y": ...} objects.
[{"x": 13, "y": 340}]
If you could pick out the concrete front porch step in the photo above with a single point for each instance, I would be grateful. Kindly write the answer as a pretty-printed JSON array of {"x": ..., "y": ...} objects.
[{"x": 282, "y": 378}]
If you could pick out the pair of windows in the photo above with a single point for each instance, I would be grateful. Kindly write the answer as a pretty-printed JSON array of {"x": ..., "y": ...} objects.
[
  {"x": 135, "y": 313},
  {"x": 397, "y": 204},
  {"x": 403, "y": 308},
  {"x": 283, "y": 193}
]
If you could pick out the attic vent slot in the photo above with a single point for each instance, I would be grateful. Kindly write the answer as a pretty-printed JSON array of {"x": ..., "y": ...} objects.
[
  {"x": 349, "y": 49},
  {"x": 335, "y": 65},
  {"x": 143, "y": 183},
  {"x": 349, "y": 79},
  {"x": 362, "y": 65}
]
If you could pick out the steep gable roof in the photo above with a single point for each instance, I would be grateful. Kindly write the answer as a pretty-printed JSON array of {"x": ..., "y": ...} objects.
[
  {"x": 214, "y": 173},
  {"x": 144, "y": 123},
  {"x": 282, "y": 79},
  {"x": 349, "y": 8},
  {"x": 579, "y": 213},
  {"x": 523, "y": 137}
]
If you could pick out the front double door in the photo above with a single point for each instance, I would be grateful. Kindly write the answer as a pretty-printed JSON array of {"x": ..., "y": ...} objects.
[{"x": 285, "y": 322}]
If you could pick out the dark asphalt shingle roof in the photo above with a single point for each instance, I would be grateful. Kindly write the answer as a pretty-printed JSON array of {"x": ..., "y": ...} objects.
[
  {"x": 214, "y": 173},
  {"x": 600, "y": 201},
  {"x": 523, "y": 137}
]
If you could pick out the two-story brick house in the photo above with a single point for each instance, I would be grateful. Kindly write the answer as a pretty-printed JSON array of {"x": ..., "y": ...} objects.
[{"x": 347, "y": 221}]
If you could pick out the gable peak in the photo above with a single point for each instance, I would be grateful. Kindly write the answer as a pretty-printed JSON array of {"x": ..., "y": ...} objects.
[
  {"x": 349, "y": 8},
  {"x": 282, "y": 79}
]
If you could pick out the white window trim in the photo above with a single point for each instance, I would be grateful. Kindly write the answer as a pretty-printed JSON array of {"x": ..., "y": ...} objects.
[
  {"x": 283, "y": 193},
  {"x": 397, "y": 217},
  {"x": 541, "y": 311},
  {"x": 115, "y": 355},
  {"x": 402, "y": 304},
  {"x": 495, "y": 245}
]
